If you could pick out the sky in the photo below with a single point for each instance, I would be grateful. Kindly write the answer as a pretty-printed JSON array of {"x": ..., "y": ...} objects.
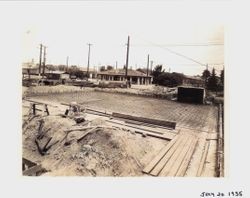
[{"x": 171, "y": 33}]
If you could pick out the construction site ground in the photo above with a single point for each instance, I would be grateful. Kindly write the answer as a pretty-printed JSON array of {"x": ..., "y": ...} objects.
[{"x": 113, "y": 151}]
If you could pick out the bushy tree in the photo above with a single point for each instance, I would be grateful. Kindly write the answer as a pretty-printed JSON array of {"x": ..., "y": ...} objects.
[
  {"x": 213, "y": 81},
  {"x": 62, "y": 67},
  {"x": 156, "y": 73},
  {"x": 109, "y": 67},
  {"x": 51, "y": 67},
  {"x": 102, "y": 68},
  {"x": 222, "y": 77},
  {"x": 170, "y": 79},
  {"x": 206, "y": 75}
]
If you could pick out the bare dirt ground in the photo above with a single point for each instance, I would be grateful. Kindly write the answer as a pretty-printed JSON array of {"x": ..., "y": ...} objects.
[
  {"x": 113, "y": 152},
  {"x": 104, "y": 152}
]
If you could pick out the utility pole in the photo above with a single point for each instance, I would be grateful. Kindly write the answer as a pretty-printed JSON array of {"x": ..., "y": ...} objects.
[
  {"x": 207, "y": 66},
  {"x": 151, "y": 67},
  {"x": 147, "y": 64},
  {"x": 127, "y": 57},
  {"x": 44, "y": 59},
  {"x": 67, "y": 63},
  {"x": 116, "y": 65},
  {"x": 89, "y": 44},
  {"x": 40, "y": 59}
]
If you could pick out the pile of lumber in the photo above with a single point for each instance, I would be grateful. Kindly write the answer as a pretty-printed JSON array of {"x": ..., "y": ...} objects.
[
  {"x": 163, "y": 123},
  {"x": 173, "y": 159},
  {"x": 145, "y": 131}
]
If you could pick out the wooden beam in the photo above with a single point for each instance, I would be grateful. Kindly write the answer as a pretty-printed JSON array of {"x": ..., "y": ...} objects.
[
  {"x": 166, "y": 136},
  {"x": 28, "y": 162},
  {"x": 173, "y": 164},
  {"x": 203, "y": 159},
  {"x": 78, "y": 129},
  {"x": 38, "y": 102},
  {"x": 181, "y": 158},
  {"x": 183, "y": 168},
  {"x": 33, "y": 170},
  {"x": 158, "y": 168},
  {"x": 147, "y": 120},
  {"x": 161, "y": 154},
  {"x": 88, "y": 132},
  {"x": 135, "y": 127}
]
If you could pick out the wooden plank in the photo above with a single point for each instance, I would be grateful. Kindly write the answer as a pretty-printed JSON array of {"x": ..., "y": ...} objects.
[
  {"x": 203, "y": 159},
  {"x": 147, "y": 120},
  {"x": 183, "y": 168},
  {"x": 28, "y": 162},
  {"x": 161, "y": 154},
  {"x": 38, "y": 102},
  {"x": 136, "y": 127},
  {"x": 88, "y": 101},
  {"x": 84, "y": 135},
  {"x": 33, "y": 170},
  {"x": 160, "y": 165},
  {"x": 212, "y": 136},
  {"x": 144, "y": 124},
  {"x": 166, "y": 136},
  {"x": 172, "y": 153},
  {"x": 166, "y": 169},
  {"x": 172, "y": 172},
  {"x": 78, "y": 129}
]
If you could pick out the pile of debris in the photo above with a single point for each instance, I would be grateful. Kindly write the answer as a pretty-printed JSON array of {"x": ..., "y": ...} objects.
[{"x": 70, "y": 144}]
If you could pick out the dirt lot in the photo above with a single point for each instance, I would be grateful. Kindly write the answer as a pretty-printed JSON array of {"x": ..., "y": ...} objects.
[
  {"x": 110, "y": 151},
  {"x": 104, "y": 152}
]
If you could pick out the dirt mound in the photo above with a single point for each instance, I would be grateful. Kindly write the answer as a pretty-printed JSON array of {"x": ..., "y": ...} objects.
[
  {"x": 93, "y": 150},
  {"x": 103, "y": 154}
]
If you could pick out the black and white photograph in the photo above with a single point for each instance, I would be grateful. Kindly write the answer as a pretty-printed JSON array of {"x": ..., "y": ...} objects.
[
  {"x": 124, "y": 98},
  {"x": 122, "y": 94}
]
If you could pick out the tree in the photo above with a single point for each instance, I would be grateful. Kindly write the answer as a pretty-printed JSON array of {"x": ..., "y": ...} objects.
[
  {"x": 156, "y": 73},
  {"x": 51, "y": 67},
  {"x": 109, "y": 67},
  {"x": 62, "y": 67},
  {"x": 170, "y": 79},
  {"x": 205, "y": 75},
  {"x": 222, "y": 77},
  {"x": 213, "y": 81},
  {"x": 102, "y": 68}
]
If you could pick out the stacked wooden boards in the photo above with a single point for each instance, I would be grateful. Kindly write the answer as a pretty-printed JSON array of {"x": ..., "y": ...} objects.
[{"x": 173, "y": 159}]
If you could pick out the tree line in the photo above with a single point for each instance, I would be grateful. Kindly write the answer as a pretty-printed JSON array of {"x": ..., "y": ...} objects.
[{"x": 212, "y": 81}]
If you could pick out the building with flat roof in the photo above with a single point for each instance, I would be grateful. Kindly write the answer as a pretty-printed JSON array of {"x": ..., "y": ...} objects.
[{"x": 133, "y": 76}]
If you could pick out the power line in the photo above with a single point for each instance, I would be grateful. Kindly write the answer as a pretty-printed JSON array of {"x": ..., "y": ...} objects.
[
  {"x": 177, "y": 53},
  {"x": 182, "y": 45}
]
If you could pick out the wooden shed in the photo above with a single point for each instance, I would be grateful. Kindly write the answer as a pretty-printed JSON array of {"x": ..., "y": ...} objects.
[{"x": 191, "y": 94}]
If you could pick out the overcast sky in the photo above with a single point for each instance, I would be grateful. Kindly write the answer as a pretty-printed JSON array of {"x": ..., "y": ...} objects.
[{"x": 154, "y": 29}]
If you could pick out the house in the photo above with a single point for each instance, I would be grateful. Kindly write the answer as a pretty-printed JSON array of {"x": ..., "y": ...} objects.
[
  {"x": 92, "y": 72},
  {"x": 57, "y": 75},
  {"x": 31, "y": 69},
  {"x": 54, "y": 78},
  {"x": 194, "y": 81},
  {"x": 133, "y": 76}
]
